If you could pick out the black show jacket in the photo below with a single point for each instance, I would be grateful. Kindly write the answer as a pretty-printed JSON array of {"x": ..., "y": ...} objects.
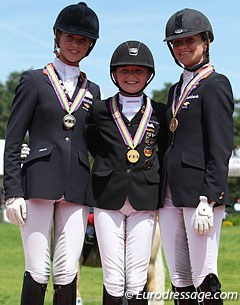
[
  {"x": 113, "y": 177},
  {"x": 58, "y": 161},
  {"x": 196, "y": 161}
]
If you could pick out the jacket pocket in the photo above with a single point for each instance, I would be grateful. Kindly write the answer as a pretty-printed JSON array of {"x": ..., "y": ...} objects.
[
  {"x": 152, "y": 177},
  {"x": 84, "y": 159},
  {"x": 39, "y": 153},
  {"x": 102, "y": 173},
  {"x": 194, "y": 160}
]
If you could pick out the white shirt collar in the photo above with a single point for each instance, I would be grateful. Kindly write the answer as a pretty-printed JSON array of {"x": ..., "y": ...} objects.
[
  {"x": 130, "y": 100},
  {"x": 130, "y": 105},
  {"x": 188, "y": 76},
  {"x": 66, "y": 71}
]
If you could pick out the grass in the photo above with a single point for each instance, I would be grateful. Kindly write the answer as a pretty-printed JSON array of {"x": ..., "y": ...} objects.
[{"x": 12, "y": 268}]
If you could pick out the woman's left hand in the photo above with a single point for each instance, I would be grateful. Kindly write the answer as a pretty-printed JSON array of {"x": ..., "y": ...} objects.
[{"x": 203, "y": 221}]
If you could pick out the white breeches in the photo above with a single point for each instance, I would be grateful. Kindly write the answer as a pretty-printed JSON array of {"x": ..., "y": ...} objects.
[
  {"x": 190, "y": 256},
  {"x": 125, "y": 244},
  {"x": 68, "y": 222}
]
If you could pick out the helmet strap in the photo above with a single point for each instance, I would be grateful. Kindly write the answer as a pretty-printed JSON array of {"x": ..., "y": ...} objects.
[
  {"x": 55, "y": 51},
  {"x": 206, "y": 59},
  {"x": 198, "y": 66},
  {"x": 91, "y": 47},
  {"x": 56, "y": 46},
  {"x": 173, "y": 55}
]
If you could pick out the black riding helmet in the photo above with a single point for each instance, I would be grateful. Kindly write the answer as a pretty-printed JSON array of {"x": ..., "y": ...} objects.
[
  {"x": 78, "y": 19},
  {"x": 188, "y": 22},
  {"x": 133, "y": 53}
]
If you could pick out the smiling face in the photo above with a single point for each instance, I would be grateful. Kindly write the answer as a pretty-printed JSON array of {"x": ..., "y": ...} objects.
[
  {"x": 72, "y": 47},
  {"x": 189, "y": 50},
  {"x": 132, "y": 79}
]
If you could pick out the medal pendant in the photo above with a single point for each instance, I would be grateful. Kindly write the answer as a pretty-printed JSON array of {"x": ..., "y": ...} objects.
[
  {"x": 173, "y": 124},
  {"x": 133, "y": 156},
  {"x": 69, "y": 121}
]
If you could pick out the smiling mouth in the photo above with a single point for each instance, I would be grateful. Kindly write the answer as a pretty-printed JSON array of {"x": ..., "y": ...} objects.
[
  {"x": 131, "y": 82},
  {"x": 74, "y": 52},
  {"x": 184, "y": 53}
]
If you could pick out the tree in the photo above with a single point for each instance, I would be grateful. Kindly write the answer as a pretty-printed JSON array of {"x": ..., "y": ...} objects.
[
  {"x": 3, "y": 110},
  {"x": 236, "y": 117},
  {"x": 161, "y": 95},
  {"x": 6, "y": 95},
  {"x": 234, "y": 182}
]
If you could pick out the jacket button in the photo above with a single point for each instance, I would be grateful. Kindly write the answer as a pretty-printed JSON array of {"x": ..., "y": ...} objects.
[
  {"x": 67, "y": 139},
  {"x": 129, "y": 170},
  {"x": 147, "y": 164}
]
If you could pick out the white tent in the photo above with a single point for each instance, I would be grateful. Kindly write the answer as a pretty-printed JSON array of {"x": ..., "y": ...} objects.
[{"x": 234, "y": 164}]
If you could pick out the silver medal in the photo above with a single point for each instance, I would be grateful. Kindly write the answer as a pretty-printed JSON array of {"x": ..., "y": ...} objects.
[{"x": 69, "y": 121}]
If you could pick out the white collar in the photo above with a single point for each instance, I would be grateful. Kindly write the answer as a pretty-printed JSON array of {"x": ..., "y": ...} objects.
[
  {"x": 131, "y": 100},
  {"x": 187, "y": 76},
  {"x": 66, "y": 71}
]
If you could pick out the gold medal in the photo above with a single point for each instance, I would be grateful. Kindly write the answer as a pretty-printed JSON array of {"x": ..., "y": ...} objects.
[
  {"x": 173, "y": 124},
  {"x": 133, "y": 156},
  {"x": 69, "y": 121}
]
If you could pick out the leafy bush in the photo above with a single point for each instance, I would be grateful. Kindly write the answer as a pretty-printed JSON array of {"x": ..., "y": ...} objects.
[{"x": 233, "y": 218}]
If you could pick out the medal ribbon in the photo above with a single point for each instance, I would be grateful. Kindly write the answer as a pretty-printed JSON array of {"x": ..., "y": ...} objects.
[
  {"x": 203, "y": 73},
  {"x": 122, "y": 127},
  {"x": 49, "y": 69}
]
